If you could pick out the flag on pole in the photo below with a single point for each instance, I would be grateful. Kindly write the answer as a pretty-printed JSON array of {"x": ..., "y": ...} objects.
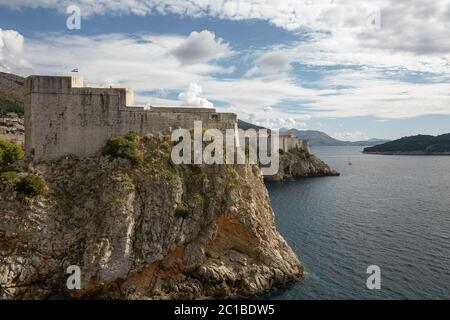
[{"x": 74, "y": 70}]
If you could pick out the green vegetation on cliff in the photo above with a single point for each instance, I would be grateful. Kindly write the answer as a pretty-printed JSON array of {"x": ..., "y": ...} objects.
[
  {"x": 31, "y": 185},
  {"x": 182, "y": 211},
  {"x": 11, "y": 94},
  {"x": 9, "y": 105},
  {"x": 295, "y": 154},
  {"x": 422, "y": 144},
  {"x": 9, "y": 153},
  {"x": 124, "y": 147}
]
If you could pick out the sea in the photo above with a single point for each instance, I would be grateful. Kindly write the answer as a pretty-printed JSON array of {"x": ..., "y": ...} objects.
[{"x": 385, "y": 216}]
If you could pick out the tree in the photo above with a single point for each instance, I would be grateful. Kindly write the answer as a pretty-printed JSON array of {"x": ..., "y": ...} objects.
[{"x": 9, "y": 153}]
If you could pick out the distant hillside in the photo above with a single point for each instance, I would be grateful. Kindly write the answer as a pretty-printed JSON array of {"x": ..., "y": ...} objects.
[
  {"x": 247, "y": 125},
  {"x": 421, "y": 144},
  {"x": 11, "y": 93},
  {"x": 319, "y": 138}
]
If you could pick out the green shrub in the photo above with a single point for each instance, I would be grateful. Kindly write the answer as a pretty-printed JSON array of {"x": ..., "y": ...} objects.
[
  {"x": 182, "y": 211},
  {"x": 31, "y": 185},
  {"x": 132, "y": 136},
  {"x": 123, "y": 147},
  {"x": 9, "y": 153},
  {"x": 9, "y": 178}
]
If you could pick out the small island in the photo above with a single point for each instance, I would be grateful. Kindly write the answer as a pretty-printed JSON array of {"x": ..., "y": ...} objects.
[{"x": 414, "y": 145}]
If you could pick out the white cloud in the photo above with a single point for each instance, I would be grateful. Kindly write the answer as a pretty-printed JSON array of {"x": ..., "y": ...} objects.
[
  {"x": 278, "y": 123},
  {"x": 406, "y": 25},
  {"x": 201, "y": 47},
  {"x": 192, "y": 97},
  {"x": 11, "y": 50},
  {"x": 144, "y": 62},
  {"x": 351, "y": 136},
  {"x": 287, "y": 14},
  {"x": 339, "y": 36},
  {"x": 371, "y": 94},
  {"x": 415, "y": 26},
  {"x": 271, "y": 63}
]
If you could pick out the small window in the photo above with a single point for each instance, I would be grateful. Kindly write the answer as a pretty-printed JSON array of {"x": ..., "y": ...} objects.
[{"x": 215, "y": 116}]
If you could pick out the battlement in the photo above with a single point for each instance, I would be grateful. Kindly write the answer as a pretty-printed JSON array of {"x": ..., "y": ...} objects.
[{"x": 62, "y": 116}]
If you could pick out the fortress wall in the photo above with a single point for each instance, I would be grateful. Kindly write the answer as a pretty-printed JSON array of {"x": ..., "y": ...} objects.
[
  {"x": 305, "y": 145},
  {"x": 288, "y": 143},
  {"x": 62, "y": 117}
]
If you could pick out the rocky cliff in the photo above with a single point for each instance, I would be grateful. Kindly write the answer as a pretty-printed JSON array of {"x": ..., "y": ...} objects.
[
  {"x": 137, "y": 231},
  {"x": 299, "y": 163}
]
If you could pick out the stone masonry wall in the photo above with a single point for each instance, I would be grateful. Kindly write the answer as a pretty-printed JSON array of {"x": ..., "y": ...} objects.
[
  {"x": 291, "y": 142},
  {"x": 63, "y": 117}
]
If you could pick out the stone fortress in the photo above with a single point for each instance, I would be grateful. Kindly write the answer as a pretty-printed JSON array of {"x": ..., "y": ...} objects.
[
  {"x": 64, "y": 117},
  {"x": 289, "y": 141}
]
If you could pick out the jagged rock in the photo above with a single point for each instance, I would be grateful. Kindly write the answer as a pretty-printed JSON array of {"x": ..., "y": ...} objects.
[
  {"x": 301, "y": 164},
  {"x": 117, "y": 222}
]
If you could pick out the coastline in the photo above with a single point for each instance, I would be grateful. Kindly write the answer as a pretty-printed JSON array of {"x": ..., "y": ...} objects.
[
  {"x": 294, "y": 166},
  {"x": 407, "y": 153}
]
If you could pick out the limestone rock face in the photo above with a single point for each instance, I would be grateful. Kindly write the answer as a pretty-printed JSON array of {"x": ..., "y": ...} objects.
[
  {"x": 301, "y": 165},
  {"x": 120, "y": 223}
]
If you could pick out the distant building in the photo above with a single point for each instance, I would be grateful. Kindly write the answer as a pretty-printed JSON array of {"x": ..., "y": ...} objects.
[
  {"x": 289, "y": 141},
  {"x": 12, "y": 129}
]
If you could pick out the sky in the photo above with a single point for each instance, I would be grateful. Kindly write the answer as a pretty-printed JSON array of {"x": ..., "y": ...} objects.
[{"x": 353, "y": 69}]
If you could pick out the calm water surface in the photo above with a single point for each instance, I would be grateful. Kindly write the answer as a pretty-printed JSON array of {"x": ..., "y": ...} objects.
[{"x": 390, "y": 211}]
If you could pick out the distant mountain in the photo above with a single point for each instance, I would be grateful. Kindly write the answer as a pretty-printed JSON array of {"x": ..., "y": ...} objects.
[
  {"x": 370, "y": 142},
  {"x": 421, "y": 144},
  {"x": 315, "y": 138},
  {"x": 319, "y": 138}
]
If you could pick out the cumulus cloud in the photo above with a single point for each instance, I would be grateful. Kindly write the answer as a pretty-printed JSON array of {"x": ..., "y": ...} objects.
[
  {"x": 341, "y": 29},
  {"x": 271, "y": 63},
  {"x": 146, "y": 64},
  {"x": 279, "y": 122},
  {"x": 412, "y": 26},
  {"x": 11, "y": 50},
  {"x": 201, "y": 47},
  {"x": 192, "y": 97}
]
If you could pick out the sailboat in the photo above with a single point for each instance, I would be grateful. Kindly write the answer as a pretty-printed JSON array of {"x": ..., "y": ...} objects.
[{"x": 349, "y": 162}]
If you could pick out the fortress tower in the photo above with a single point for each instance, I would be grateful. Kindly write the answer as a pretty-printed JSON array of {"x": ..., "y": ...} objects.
[{"x": 63, "y": 117}]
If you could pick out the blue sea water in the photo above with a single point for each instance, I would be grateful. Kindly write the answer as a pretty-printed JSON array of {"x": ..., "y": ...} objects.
[{"x": 389, "y": 211}]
